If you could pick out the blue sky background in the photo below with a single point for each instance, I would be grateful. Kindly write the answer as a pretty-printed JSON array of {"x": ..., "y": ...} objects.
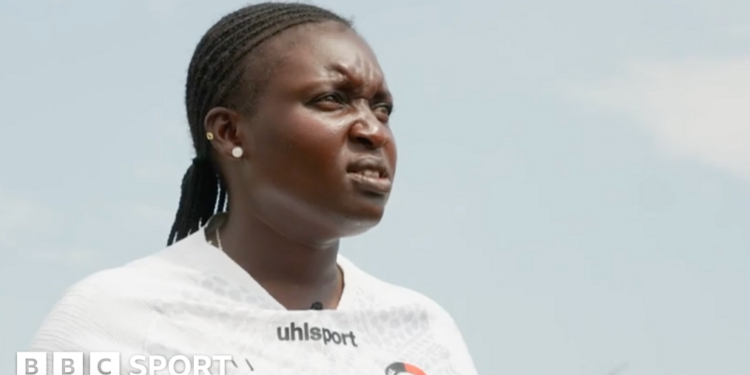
[{"x": 574, "y": 177}]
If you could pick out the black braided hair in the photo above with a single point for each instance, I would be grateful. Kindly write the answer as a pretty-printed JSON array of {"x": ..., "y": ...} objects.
[{"x": 219, "y": 64}]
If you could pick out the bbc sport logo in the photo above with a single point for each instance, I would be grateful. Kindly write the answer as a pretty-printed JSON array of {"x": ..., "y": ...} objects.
[{"x": 108, "y": 363}]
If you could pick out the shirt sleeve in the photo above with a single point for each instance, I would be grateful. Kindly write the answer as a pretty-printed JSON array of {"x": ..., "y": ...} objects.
[
  {"x": 95, "y": 315},
  {"x": 452, "y": 338}
]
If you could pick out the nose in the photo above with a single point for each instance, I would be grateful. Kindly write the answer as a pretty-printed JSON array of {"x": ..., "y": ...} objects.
[{"x": 369, "y": 133}]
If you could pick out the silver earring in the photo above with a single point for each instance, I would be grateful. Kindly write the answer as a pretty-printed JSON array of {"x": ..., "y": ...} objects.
[{"x": 237, "y": 152}]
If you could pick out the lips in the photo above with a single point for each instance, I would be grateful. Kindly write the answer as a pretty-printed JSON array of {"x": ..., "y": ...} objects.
[{"x": 370, "y": 175}]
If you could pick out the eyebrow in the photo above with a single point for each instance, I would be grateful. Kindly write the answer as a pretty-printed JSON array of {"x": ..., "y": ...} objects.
[{"x": 345, "y": 76}]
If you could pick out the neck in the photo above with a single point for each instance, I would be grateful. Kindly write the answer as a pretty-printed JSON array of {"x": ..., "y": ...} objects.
[{"x": 294, "y": 272}]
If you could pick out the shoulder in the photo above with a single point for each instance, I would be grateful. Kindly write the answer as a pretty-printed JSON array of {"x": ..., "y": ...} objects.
[
  {"x": 108, "y": 310},
  {"x": 377, "y": 292},
  {"x": 379, "y": 295}
]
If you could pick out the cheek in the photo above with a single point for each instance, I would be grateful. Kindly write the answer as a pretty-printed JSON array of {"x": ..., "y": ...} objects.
[
  {"x": 391, "y": 151},
  {"x": 300, "y": 145}
]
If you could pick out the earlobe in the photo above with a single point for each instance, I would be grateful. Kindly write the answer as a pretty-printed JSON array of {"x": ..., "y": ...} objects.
[{"x": 223, "y": 131}]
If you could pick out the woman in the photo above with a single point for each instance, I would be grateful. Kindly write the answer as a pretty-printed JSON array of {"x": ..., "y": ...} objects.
[{"x": 289, "y": 111}]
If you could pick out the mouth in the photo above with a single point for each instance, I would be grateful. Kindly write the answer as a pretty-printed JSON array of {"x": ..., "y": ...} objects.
[{"x": 371, "y": 176}]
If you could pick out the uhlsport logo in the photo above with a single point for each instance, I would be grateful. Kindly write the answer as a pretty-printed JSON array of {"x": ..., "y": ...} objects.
[
  {"x": 108, "y": 363},
  {"x": 307, "y": 332},
  {"x": 401, "y": 368}
]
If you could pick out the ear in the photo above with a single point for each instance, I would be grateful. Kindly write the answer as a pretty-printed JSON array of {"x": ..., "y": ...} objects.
[{"x": 228, "y": 131}]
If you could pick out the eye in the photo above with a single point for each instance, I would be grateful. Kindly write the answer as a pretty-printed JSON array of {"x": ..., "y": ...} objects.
[
  {"x": 331, "y": 101},
  {"x": 383, "y": 111}
]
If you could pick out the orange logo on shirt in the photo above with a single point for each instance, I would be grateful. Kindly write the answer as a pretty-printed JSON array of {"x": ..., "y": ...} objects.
[{"x": 403, "y": 368}]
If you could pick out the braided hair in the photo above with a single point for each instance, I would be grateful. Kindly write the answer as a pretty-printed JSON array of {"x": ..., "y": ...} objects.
[{"x": 216, "y": 70}]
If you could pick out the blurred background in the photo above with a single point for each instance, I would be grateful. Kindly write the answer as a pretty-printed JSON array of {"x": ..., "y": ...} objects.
[{"x": 574, "y": 177}]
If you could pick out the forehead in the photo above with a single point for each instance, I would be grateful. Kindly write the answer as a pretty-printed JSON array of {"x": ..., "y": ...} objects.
[{"x": 319, "y": 51}]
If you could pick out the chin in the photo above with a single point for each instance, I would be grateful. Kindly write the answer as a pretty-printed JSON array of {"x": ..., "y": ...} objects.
[{"x": 361, "y": 219}]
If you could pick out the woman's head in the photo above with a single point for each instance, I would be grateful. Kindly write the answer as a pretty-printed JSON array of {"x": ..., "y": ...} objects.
[{"x": 302, "y": 97}]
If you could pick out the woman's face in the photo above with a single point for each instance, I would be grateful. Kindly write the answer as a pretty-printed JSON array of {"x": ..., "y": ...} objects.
[{"x": 320, "y": 155}]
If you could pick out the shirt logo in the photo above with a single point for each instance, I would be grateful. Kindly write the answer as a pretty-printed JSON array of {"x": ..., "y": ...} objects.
[
  {"x": 306, "y": 332},
  {"x": 398, "y": 368}
]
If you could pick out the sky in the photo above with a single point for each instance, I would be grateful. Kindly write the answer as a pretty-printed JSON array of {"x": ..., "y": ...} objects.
[{"x": 573, "y": 182}]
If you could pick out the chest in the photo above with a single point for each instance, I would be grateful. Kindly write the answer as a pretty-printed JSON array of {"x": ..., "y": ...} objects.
[{"x": 391, "y": 340}]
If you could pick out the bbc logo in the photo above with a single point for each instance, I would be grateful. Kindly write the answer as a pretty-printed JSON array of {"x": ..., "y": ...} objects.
[
  {"x": 67, "y": 363},
  {"x": 108, "y": 363}
]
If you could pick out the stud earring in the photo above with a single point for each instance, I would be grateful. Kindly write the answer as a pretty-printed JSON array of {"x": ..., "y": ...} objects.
[
  {"x": 237, "y": 152},
  {"x": 210, "y": 136}
]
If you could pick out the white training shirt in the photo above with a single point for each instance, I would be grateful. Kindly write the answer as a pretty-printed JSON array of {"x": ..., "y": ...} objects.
[{"x": 192, "y": 299}]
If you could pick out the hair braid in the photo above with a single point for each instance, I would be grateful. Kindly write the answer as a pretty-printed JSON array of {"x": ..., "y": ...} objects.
[{"x": 215, "y": 73}]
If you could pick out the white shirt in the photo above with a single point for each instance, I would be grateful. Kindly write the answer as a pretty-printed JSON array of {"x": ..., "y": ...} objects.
[{"x": 192, "y": 299}]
